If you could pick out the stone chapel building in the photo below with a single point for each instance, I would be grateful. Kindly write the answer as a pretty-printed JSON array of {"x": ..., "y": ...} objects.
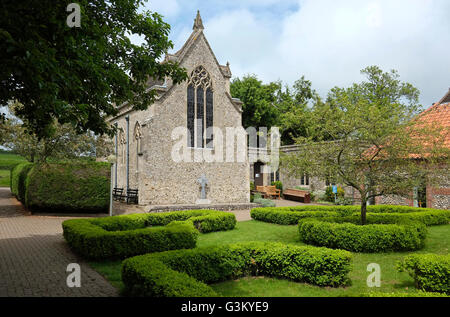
[{"x": 145, "y": 141}]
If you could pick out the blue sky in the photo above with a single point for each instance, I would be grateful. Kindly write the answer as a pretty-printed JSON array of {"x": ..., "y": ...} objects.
[{"x": 328, "y": 41}]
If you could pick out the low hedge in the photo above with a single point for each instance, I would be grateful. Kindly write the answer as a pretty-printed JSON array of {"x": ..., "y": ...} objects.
[
  {"x": 18, "y": 177},
  {"x": 186, "y": 273},
  {"x": 124, "y": 236},
  {"x": 416, "y": 294},
  {"x": 379, "y": 235},
  {"x": 339, "y": 226},
  {"x": 431, "y": 272},
  {"x": 79, "y": 187},
  {"x": 291, "y": 215}
]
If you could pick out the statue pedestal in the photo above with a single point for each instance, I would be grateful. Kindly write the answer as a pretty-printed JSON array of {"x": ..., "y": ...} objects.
[{"x": 203, "y": 202}]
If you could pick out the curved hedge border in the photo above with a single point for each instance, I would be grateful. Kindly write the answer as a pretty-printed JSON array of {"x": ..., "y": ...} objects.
[
  {"x": 379, "y": 235},
  {"x": 431, "y": 272},
  {"x": 355, "y": 208},
  {"x": 124, "y": 236},
  {"x": 291, "y": 215},
  {"x": 416, "y": 294},
  {"x": 338, "y": 226},
  {"x": 18, "y": 176},
  {"x": 186, "y": 273}
]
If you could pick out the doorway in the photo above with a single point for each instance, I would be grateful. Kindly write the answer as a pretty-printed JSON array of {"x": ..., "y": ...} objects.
[{"x": 257, "y": 174}]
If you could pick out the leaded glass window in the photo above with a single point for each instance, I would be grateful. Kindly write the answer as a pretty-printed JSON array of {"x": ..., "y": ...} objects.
[{"x": 200, "y": 108}]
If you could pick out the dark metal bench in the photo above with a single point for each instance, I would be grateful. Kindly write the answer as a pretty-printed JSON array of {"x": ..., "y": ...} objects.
[
  {"x": 132, "y": 196},
  {"x": 118, "y": 194}
]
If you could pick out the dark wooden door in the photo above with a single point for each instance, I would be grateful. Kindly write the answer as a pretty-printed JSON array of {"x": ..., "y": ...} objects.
[{"x": 257, "y": 175}]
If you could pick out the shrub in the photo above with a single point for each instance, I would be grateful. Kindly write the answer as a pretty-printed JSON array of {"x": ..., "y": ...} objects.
[
  {"x": 431, "y": 272},
  {"x": 283, "y": 216},
  {"x": 291, "y": 215},
  {"x": 264, "y": 202},
  {"x": 379, "y": 235},
  {"x": 416, "y": 294},
  {"x": 252, "y": 186},
  {"x": 18, "y": 177},
  {"x": 337, "y": 226},
  {"x": 185, "y": 273},
  {"x": 329, "y": 195},
  {"x": 124, "y": 236},
  {"x": 68, "y": 187},
  {"x": 344, "y": 201},
  {"x": 278, "y": 185}
]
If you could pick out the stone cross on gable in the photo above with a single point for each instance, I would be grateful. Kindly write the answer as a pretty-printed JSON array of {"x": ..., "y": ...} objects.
[{"x": 203, "y": 182}]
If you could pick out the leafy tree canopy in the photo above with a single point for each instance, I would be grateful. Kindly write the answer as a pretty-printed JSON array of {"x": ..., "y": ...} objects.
[
  {"x": 63, "y": 144},
  {"x": 275, "y": 104},
  {"x": 76, "y": 75},
  {"x": 366, "y": 137},
  {"x": 259, "y": 101}
]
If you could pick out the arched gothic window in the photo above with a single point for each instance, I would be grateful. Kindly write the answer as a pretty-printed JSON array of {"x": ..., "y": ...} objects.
[{"x": 200, "y": 108}]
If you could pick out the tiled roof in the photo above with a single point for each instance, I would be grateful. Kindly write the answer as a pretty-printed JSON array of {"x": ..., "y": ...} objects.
[{"x": 438, "y": 115}]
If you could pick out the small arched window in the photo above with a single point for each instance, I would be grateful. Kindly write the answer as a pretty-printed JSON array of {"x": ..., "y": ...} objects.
[{"x": 200, "y": 108}]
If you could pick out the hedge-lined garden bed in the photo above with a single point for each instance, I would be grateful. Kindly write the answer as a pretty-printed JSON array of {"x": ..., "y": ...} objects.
[
  {"x": 339, "y": 226},
  {"x": 78, "y": 187},
  {"x": 124, "y": 236},
  {"x": 292, "y": 215},
  {"x": 431, "y": 272},
  {"x": 377, "y": 236},
  {"x": 186, "y": 273}
]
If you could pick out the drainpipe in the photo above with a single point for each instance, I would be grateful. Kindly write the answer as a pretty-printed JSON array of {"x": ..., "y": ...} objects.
[
  {"x": 115, "y": 165},
  {"x": 128, "y": 151}
]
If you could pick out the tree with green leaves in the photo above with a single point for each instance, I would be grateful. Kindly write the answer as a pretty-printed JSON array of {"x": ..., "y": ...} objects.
[
  {"x": 294, "y": 106},
  {"x": 64, "y": 143},
  {"x": 259, "y": 101},
  {"x": 367, "y": 137},
  {"x": 77, "y": 75}
]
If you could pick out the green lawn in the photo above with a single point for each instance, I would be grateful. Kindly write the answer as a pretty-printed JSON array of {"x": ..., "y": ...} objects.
[
  {"x": 7, "y": 162},
  {"x": 438, "y": 241},
  {"x": 4, "y": 178}
]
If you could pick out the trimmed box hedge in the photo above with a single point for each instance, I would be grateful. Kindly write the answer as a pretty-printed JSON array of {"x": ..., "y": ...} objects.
[
  {"x": 291, "y": 215},
  {"x": 431, "y": 272},
  {"x": 186, "y": 273},
  {"x": 124, "y": 236},
  {"x": 339, "y": 226},
  {"x": 18, "y": 177},
  {"x": 416, "y": 294},
  {"x": 379, "y": 235},
  {"x": 79, "y": 187}
]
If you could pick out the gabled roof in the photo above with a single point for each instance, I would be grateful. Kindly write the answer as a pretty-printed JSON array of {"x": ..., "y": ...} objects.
[
  {"x": 197, "y": 33},
  {"x": 186, "y": 48},
  {"x": 438, "y": 115}
]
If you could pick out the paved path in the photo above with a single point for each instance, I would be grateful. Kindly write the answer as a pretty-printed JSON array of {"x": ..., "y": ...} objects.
[{"x": 34, "y": 256}]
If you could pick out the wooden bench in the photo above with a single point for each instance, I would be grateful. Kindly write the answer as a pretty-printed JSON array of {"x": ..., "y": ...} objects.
[
  {"x": 269, "y": 191},
  {"x": 118, "y": 194},
  {"x": 132, "y": 196},
  {"x": 297, "y": 195}
]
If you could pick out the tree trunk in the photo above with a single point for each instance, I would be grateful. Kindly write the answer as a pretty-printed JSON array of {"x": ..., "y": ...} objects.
[{"x": 363, "y": 210}]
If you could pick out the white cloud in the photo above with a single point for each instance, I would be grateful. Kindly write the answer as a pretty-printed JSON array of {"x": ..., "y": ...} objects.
[{"x": 331, "y": 41}]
